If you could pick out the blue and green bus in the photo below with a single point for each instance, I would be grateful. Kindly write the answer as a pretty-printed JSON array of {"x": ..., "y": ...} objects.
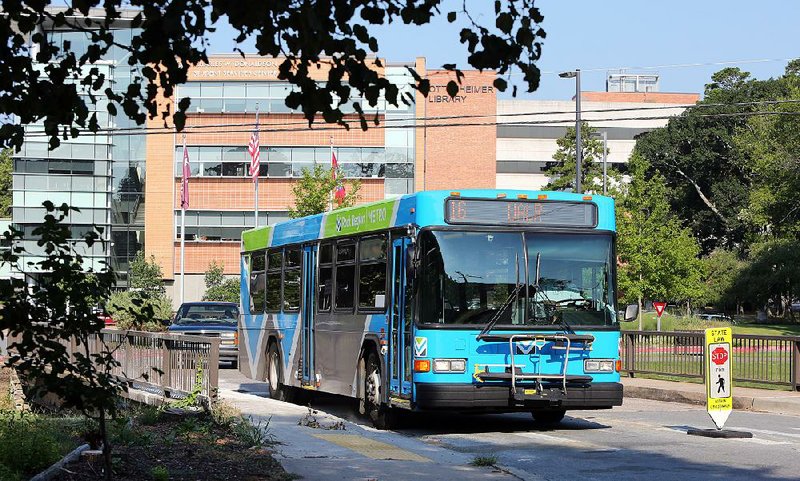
[{"x": 478, "y": 300}]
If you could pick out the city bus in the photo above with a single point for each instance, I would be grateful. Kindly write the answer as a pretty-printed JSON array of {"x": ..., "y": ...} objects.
[{"x": 467, "y": 301}]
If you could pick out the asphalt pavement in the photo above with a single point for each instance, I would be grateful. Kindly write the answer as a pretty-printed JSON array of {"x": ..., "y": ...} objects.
[{"x": 642, "y": 439}]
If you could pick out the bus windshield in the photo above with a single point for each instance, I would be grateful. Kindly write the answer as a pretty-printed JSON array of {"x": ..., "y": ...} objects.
[{"x": 466, "y": 277}]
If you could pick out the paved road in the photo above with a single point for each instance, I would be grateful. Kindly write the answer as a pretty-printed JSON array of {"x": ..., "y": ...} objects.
[{"x": 642, "y": 439}]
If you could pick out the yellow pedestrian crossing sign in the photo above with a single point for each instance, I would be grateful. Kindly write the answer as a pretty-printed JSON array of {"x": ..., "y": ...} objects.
[{"x": 719, "y": 389}]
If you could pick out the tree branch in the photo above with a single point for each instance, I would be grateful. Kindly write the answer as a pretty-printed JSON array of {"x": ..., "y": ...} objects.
[{"x": 703, "y": 197}]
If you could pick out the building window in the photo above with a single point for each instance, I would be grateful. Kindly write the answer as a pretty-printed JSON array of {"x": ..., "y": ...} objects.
[{"x": 289, "y": 162}]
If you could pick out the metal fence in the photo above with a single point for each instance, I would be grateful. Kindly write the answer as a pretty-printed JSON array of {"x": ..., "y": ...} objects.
[
  {"x": 168, "y": 365},
  {"x": 771, "y": 360}
]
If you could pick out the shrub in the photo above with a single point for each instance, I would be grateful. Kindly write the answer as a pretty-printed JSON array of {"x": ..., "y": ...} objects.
[
  {"x": 127, "y": 307},
  {"x": 160, "y": 473}
]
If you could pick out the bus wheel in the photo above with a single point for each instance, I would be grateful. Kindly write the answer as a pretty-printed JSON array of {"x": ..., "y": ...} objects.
[
  {"x": 275, "y": 375},
  {"x": 379, "y": 414},
  {"x": 549, "y": 417}
]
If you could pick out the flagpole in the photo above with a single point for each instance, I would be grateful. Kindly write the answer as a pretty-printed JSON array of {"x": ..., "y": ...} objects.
[
  {"x": 330, "y": 196},
  {"x": 256, "y": 176},
  {"x": 183, "y": 225}
]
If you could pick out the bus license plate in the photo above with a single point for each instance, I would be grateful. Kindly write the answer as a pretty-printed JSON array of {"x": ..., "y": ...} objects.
[{"x": 530, "y": 392}]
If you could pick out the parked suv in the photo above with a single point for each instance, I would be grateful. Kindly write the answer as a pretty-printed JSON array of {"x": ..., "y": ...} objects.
[{"x": 211, "y": 319}]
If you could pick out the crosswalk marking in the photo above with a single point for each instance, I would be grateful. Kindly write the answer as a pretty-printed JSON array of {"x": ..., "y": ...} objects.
[{"x": 371, "y": 448}]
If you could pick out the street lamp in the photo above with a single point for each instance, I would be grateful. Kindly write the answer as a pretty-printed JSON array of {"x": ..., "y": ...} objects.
[
  {"x": 604, "y": 135},
  {"x": 578, "y": 150}
]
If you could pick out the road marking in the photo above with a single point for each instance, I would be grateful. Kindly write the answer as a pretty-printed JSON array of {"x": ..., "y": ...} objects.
[
  {"x": 774, "y": 433},
  {"x": 371, "y": 448},
  {"x": 557, "y": 440}
]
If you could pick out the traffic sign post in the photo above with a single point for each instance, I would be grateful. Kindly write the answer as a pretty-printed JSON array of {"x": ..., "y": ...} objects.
[
  {"x": 659, "y": 306},
  {"x": 719, "y": 389}
]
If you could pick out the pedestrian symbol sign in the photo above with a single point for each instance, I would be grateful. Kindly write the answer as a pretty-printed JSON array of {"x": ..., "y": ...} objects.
[{"x": 719, "y": 402}]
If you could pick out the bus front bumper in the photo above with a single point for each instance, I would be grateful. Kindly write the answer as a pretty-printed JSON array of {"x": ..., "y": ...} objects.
[{"x": 500, "y": 398}]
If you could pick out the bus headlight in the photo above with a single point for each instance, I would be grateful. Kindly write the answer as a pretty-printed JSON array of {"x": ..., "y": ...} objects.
[
  {"x": 449, "y": 365},
  {"x": 598, "y": 365}
]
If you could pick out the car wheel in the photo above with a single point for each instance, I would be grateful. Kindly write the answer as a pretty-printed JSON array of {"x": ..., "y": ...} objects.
[{"x": 549, "y": 417}]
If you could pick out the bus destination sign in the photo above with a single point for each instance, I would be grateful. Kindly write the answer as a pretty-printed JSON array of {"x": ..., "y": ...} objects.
[{"x": 520, "y": 212}]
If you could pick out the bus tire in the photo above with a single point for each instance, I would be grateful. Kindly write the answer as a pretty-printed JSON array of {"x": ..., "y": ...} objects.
[
  {"x": 378, "y": 413},
  {"x": 548, "y": 417},
  {"x": 277, "y": 390}
]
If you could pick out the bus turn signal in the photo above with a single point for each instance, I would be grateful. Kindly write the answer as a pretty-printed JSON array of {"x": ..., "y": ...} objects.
[{"x": 422, "y": 365}]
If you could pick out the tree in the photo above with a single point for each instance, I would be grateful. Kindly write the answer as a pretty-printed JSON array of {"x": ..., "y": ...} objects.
[
  {"x": 218, "y": 288},
  {"x": 170, "y": 37},
  {"x": 721, "y": 271},
  {"x": 146, "y": 306},
  {"x": 657, "y": 256},
  {"x": 313, "y": 192},
  {"x": 6, "y": 169},
  {"x": 772, "y": 277},
  {"x": 58, "y": 310},
  {"x": 562, "y": 171},
  {"x": 708, "y": 176}
]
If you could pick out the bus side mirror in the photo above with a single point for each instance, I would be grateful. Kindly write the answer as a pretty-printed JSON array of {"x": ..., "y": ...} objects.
[{"x": 631, "y": 312}]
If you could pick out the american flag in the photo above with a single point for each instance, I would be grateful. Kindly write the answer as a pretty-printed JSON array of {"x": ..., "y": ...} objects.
[
  {"x": 185, "y": 180},
  {"x": 255, "y": 156}
]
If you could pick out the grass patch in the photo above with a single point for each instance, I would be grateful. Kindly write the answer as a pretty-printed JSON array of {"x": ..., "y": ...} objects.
[
  {"x": 29, "y": 443},
  {"x": 484, "y": 461}
]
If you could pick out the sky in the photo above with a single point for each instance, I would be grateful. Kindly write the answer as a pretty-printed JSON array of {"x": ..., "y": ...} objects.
[{"x": 684, "y": 41}]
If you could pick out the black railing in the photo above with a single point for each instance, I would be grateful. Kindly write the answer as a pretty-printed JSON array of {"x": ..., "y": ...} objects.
[{"x": 769, "y": 360}]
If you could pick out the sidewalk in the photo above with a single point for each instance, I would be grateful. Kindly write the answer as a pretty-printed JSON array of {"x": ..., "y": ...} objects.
[
  {"x": 777, "y": 402},
  {"x": 345, "y": 451}
]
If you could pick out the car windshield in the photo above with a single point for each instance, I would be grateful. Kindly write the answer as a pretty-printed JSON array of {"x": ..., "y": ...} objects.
[
  {"x": 207, "y": 313},
  {"x": 467, "y": 276}
]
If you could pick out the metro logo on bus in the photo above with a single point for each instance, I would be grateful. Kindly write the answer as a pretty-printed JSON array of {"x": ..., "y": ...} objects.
[
  {"x": 719, "y": 356},
  {"x": 359, "y": 219}
]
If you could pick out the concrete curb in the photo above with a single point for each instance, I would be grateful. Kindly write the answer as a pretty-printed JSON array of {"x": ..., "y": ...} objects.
[
  {"x": 53, "y": 470},
  {"x": 776, "y": 405}
]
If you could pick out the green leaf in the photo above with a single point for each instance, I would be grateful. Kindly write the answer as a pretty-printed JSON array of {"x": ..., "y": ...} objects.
[
  {"x": 451, "y": 17},
  {"x": 452, "y": 88}
]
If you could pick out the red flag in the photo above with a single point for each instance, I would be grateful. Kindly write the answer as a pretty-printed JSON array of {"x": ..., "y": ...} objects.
[
  {"x": 338, "y": 191},
  {"x": 254, "y": 148},
  {"x": 185, "y": 179}
]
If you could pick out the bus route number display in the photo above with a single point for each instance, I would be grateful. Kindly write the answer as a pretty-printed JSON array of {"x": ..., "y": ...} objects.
[{"x": 520, "y": 212}]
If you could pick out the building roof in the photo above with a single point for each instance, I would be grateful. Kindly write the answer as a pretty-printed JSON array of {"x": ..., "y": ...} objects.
[{"x": 642, "y": 97}]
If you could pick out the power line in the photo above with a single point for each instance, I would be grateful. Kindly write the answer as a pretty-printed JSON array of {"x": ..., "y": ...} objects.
[
  {"x": 670, "y": 66},
  {"x": 190, "y": 128},
  {"x": 554, "y": 123}
]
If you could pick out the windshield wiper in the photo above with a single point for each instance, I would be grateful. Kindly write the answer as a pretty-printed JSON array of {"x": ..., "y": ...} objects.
[
  {"x": 505, "y": 305},
  {"x": 509, "y": 300},
  {"x": 559, "y": 317}
]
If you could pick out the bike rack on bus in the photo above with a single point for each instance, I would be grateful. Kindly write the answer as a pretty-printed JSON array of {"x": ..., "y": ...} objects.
[{"x": 566, "y": 342}]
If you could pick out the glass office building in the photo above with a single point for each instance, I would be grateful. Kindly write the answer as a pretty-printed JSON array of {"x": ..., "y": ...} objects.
[{"x": 103, "y": 174}]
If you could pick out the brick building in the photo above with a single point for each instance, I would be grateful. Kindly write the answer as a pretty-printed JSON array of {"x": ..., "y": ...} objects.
[{"x": 417, "y": 147}]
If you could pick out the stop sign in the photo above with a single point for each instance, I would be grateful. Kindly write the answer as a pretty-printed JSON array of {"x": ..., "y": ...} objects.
[{"x": 719, "y": 356}]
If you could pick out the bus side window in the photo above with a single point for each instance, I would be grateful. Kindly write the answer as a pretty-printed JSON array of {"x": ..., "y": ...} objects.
[
  {"x": 325, "y": 278},
  {"x": 291, "y": 280},
  {"x": 372, "y": 273},
  {"x": 345, "y": 274},
  {"x": 274, "y": 268},
  {"x": 257, "y": 283}
]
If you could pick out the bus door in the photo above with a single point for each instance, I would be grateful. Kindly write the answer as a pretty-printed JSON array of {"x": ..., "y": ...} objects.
[
  {"x": 307, "y": 326},
  {"x": 400, "y": 342}
]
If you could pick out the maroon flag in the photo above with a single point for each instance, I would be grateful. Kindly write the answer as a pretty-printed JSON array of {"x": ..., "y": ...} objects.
[
  {"x": 338, "y": 191},
  {"x": 254, "y": 148},
  {"x": 185, "y": 180}
]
